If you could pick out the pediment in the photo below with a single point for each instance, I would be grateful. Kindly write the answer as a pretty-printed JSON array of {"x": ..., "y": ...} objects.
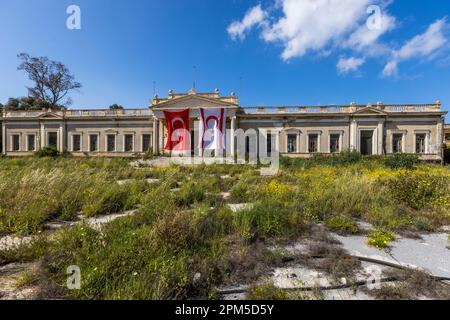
[
  {"x": 193, "y": 102},
  {"x": 50, "y": 115},
  {"x": 370, "y": 111}
]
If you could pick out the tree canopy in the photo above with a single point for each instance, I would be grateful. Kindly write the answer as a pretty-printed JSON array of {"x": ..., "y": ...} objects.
[
  {"x": 52, "y": 80},
  {"x": 115, "y": 107},
  {"x": 29, "y": 103}
]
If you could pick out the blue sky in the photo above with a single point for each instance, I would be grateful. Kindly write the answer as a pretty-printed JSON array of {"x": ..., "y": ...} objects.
[{"x": 271, "y": 52}]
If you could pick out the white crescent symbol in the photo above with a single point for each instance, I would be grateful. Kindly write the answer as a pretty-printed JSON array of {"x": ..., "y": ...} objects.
[{"x": 177, "y": 119}]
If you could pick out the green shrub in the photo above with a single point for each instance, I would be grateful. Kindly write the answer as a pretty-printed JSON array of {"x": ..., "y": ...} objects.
[
  {"x": 402, "y": 161},
  {"x": 267, "y": 219},
  {"x": 49, "y": 151},
  {"x": 149, "y": 155},
  {"x": 346, "y": 157},
  {"x": 342, "y": 225},
  {"x": 422, "y": 224},
  {"x": 23, "y": 222},
  {"x": 419, "y": 190},
  {"x": 266, "y": 292},
  {"x": 112, "y": 199},
  {"x": 389, "y": 215},
  {"x": 189, "y": 193},
  {"x": 380, "y": 238}
]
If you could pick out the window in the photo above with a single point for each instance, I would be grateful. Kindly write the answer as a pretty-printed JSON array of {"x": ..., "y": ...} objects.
[
  {"x": 129, "y": 143},
  {"x": 420, "y": 143},
  {"x": 269, "y": 143},
  {"x": 53, "y": 139},
  {"x": 247, "y": 145},
  {"x": 93, "y": 143},
  {"x": 334, "y": 142},
  {"x": 16, "y": 142},
  {"x": 313, "y": 143},
  {"x": 76, "y": 143},
  {"x": 111, "y": 142},
  {"x": 31, "y": 142},
  {"x": 146, "y": 142},
  {"x": 397, "y": 143},
  {"x": 447, "y": 137},
  {"x": 291, "y": 143}
]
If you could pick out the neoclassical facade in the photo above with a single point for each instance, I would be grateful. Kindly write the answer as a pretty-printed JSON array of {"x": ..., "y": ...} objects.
[{"x": 302, "y": 130}]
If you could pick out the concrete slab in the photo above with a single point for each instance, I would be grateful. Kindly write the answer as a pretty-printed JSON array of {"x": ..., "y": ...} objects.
[
  {"x": 123, "y": 182},
  {"x": 429, "y": 253},
  {"x": 11, "y": 242},
  {"x": 236, "y": 207},
  {"x": 225, "y": 195},
  {"x": 97, "y": 222},
  {"x": 152, "y": 181},
  {"x": 9, "y": 277},
  {"x": 295, "y": 277}
]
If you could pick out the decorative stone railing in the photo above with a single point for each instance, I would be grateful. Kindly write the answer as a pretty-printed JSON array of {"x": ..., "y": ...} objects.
[
  {"x": 343, "y": 109},
  {"x": 82, "y": 113},
  {"x": 392, "y": 108}
]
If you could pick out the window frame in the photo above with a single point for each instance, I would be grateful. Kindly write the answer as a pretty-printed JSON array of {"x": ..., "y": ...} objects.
[
  {"x": 19, "y": 142},
  {"x": 28, "y": 142},
  {"x": 317, "y": 136},
  {"x": 295, "y": 144},
  {"x": 107, "y": 142},
  {"x": 150, "y": 145},
  {"x": 72, "y": 142},
  {"x": 48, "y": 139},
  {"x": 402, "y": 139},
  {"x": 90, "y": 141},
  {"x": 340, "y": 135},
  {"x": 425, "y": 142},
  {"x": 133, "y": 142}
]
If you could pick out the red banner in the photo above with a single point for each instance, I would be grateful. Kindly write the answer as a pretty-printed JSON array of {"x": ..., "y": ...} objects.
[{"x": 178, "y": 135}]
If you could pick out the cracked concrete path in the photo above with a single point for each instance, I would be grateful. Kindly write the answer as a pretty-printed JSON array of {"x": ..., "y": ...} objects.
[
  {"x": 10, "y": 288},
  {"x": 431, "y": 253}
]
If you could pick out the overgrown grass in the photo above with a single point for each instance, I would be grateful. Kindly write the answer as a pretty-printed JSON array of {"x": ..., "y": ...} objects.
[
  {"x": 34, "y": 191},
  {"x": 184, "y": 241}
]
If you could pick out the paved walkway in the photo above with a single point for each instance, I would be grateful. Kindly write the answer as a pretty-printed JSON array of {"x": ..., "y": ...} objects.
[{"x": 431, "y": 253}]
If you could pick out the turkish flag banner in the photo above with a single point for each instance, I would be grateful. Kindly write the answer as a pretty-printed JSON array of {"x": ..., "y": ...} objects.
[
  {"x": 178, "y": 135},
  {"x": 213, "y": 129}
]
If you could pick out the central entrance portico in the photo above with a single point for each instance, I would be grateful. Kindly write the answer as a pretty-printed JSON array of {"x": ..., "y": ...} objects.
[{"x": 193, "y": 102}]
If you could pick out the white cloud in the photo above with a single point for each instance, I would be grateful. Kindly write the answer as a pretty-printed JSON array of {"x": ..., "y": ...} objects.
[
  {"x": 255, "y": 16},
  {"x": 423, "y": 45},
  {"x": 350, "y": 64},
  {"x": 365, "y": 37},
  {"x": 314, "y": 25},
  {"x": 346, "y": 27}
]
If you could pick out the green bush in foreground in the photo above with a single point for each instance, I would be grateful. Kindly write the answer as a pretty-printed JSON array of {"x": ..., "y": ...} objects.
[
  {"x": 270, "y": 292},
  {"x": 380, "y": 238},
  {"x": 48, "y": 151},
  {"x": 266, "y": 292},
  {"x": 342, "y": 225},
  {"x": 401, "y": 160}
]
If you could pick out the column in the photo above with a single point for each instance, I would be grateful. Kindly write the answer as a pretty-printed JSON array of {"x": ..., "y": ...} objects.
[
  {"x": 439, "y": 136},
  {"x": 232, "y": 141},
  {"x": 61, "y": 137},
  {"x": 161, "y": 135},
  {"x": 4, "y": 137},
  {"x": 42, "y": 133},
  {"x": 155, "y": 136},
  {"x": 353, "y": 135},
  {"x": 380, "y": 137},
  {"x": 198, "y": 147}
]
